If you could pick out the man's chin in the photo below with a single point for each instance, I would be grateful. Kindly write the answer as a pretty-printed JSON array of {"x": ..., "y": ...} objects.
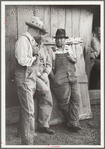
[{"x": 38, "y": 41}]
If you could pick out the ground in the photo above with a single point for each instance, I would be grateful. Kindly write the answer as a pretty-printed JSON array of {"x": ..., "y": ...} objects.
[{"x": 89, "y": 135}]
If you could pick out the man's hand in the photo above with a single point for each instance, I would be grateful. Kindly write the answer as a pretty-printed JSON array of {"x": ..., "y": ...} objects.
[
  {"x": 51, "y": 75},
  {"x": 35, "y": 51},
  {"x": 35, "y": 61},
  {"x": 71, "y": 59}
]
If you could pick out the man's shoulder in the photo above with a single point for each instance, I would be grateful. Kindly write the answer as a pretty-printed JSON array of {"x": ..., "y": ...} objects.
[
  {"x": 22, "y": 37},
  {"x": 26, "y": 36},
  {"x": 23, "y": 40}
]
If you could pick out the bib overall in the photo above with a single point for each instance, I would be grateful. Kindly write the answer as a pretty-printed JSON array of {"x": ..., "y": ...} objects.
[
  {"x": 65, "y": 87},
  {"x": 28, "y": 83}
]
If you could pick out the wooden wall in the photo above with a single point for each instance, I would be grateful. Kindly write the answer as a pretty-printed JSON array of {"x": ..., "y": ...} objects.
[{"x": 76, "y": 20}]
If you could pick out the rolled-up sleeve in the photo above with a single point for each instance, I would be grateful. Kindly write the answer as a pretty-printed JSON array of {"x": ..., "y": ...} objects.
[
  {"x": 23, "y": 53},
  {"x": 72, "y": 53},
  {"x": 48, "y": 63}
]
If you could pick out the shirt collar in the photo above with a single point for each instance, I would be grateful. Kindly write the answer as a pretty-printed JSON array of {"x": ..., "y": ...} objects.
[{"x": 65, "y": 48}]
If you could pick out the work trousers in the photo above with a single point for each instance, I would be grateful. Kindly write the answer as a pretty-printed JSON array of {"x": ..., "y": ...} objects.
[
  {"x": 27, "y": 82},
  {"x": 64, "y": 85},
  {"x": 68, "y": 99},
  {"x": 95, "y": 75}
]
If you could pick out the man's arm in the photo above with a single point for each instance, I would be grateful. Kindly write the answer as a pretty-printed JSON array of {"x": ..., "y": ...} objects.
[
  {"x": 71, "y": 54},
  {"x": 52, "y": 53},
  {"x": 22, "y": 52},
  {"x": 48, "y": 62},
  {"x": 48, "y": 68},
  {"x": 95, "y": 48}
]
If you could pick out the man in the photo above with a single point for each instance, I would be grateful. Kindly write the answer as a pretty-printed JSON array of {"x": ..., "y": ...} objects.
[
  {"x": 64, "y": 82},
  {"x": 33, "y": 66},
  {"x": 94, "y": 82}
]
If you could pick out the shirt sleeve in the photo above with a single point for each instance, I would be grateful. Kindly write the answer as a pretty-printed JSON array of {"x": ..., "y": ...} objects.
[
  {"x": 95, "y": 48},
  {"x": 72, "y": 53},
  {"x": 23, "y": 53},
  {"x": 48, "y": 62},
  {"x": 71, "y": 50}
]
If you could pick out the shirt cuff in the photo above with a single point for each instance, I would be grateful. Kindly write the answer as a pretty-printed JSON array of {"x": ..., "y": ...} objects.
[{"x": 33, "y": 59}]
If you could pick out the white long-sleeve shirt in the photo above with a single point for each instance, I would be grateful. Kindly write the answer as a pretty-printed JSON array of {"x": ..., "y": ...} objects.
[
  {"x": 23, "y": 50},
  {"x": 24, "y": 53}
]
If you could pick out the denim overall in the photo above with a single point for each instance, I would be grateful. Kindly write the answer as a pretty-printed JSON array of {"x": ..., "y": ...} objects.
[
  {"x": 27, "y": 84},
  {"x": 65, "y": 87}
]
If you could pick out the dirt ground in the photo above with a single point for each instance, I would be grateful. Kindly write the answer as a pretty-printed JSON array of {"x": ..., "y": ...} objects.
[{"x": 89, "y": 135}]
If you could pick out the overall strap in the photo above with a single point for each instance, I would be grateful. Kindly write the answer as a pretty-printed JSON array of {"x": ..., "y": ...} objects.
[
  {"x": 27, "y": 37},
  {"x": 28, "y": 40}
]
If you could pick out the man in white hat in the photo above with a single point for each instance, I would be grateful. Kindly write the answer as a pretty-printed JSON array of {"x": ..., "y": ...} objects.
[{"x": 33, "y": 66}]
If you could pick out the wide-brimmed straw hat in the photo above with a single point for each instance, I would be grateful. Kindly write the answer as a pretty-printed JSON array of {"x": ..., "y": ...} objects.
[
  {"x": 60, "y": 33},
  {"x": 36, "y": 23}
]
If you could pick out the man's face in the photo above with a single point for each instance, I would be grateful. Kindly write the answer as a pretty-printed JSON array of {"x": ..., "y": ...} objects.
[
  {"x": 39, "y": 36},
  {"x": 60, "y": 42}
]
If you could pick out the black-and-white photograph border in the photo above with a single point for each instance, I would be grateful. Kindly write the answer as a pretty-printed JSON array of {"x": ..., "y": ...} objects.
[{"x": 52, "y": 74}]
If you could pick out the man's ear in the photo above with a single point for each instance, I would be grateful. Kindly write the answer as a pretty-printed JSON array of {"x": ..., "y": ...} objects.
[{"x": 37, "y": 31}]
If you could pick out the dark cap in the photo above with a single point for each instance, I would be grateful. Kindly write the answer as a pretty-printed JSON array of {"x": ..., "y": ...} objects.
[{"x": 60, "y": 33}]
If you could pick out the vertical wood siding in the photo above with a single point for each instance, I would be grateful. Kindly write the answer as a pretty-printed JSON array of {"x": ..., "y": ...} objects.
[
  {"x": 76, "y": 20},
  {"x": 68, "y": 22},
  {"x": 10, "y": 39},
  {"x": 44, "y": 13},
  {"x": 24, "y": 14},
  {"x": 54, "y": 20}
]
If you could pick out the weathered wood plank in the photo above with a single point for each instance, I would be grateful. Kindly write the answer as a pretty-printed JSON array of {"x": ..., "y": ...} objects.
[
  {"x": 68, "y": 21},
  {"x": 54, "y": 20},
  {"x": 61, "y": 17},
  {"x": 39, "y": 11},
  {"x": 95, "y": 102},
  {"x": 85, "y": 98},
  {"x": 86, "y": 26},
  {"x": 86, "y": 18},
  {"x": 85, "y": 109},
  {"x": 24, "y": 14},
  {"x": 10, "y": 36},
  {"x": 76, "y": 21},
  {"x": 47, "y": 20},
  {"x": 94, "y": 94},
  {"x": 80, "y": 65},
  {"x": 95, "y": 97}
]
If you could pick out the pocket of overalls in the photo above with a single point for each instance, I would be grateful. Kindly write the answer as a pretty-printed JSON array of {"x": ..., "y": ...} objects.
[{"x": 31, "y": 74}]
